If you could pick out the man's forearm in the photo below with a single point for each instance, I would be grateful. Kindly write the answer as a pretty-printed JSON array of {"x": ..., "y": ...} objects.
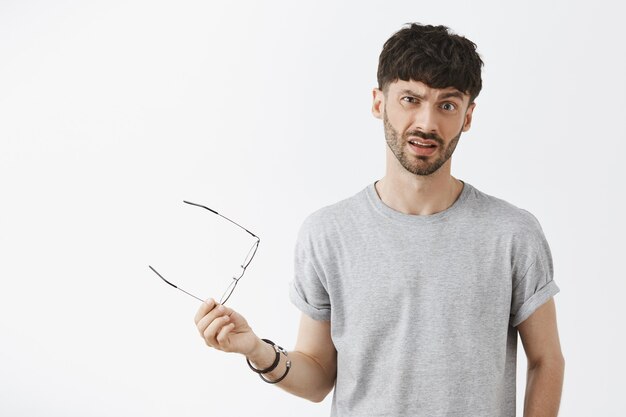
[
  {"x": 544, "y": 384},
  {"x": 306, "y": 378}
]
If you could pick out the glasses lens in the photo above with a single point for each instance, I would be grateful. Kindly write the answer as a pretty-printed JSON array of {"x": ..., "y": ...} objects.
[
  {"x": 251, "y": 253},
  {"x": 228, "y": 291}
]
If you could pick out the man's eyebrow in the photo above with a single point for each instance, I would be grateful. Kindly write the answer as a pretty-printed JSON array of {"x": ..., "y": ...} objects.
[
  {"x": 449, "y": 94},
  {"x": 411, "y": 93},
  {"x": 455, "y": 93}
]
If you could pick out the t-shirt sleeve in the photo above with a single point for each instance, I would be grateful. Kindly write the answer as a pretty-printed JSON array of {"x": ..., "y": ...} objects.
[
  {"x": 534, "y": 284},
  {"x": 308, "y": 290}
]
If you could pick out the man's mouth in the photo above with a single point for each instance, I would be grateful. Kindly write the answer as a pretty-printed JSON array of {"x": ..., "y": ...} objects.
[{"x": 423, "y": 143}]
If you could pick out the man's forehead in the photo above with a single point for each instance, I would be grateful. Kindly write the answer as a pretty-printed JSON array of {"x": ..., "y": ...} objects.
[{"x": 423, "y": 89}]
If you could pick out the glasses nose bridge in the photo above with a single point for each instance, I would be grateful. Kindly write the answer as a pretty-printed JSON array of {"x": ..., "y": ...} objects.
[{"x": 237, "y": 276}]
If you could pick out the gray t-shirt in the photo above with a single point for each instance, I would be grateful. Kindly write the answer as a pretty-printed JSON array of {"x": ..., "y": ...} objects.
[{"x": 423, "y": 309}]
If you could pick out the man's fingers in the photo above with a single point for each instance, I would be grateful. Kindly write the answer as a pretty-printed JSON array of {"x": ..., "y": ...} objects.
[
  {"x": 205, "y": 321},
  {"x": 214, "y": 321},
  {"x": 223, "y": 334},
  {"x": 214, "y": 327},
  {"x": 204, "y": 308}
]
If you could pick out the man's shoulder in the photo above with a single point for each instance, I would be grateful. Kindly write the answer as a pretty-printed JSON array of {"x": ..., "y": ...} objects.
[
  {"x": 336, "y": 214},
  {"x": 501, "y": 212}
]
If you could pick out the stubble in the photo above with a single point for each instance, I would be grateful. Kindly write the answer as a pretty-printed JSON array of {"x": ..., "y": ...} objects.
[{"x": 418, "y": 164}]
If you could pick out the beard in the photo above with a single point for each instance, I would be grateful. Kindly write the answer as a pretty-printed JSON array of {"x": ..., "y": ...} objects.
[{"x": 418, "y": 164}]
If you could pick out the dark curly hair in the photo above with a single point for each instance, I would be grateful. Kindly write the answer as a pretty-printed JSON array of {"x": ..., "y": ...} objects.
[{"x": 432, "y": 55}]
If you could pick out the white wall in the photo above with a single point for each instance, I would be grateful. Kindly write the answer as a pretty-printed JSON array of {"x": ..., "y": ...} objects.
[{"x": 113, "y": 112}]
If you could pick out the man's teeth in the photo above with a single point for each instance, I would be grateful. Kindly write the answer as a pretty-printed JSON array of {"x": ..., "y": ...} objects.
[{"x": 415, "y": 142}]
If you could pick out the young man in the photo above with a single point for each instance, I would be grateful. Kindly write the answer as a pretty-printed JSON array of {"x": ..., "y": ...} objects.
[{"x": 413, "y": 290}]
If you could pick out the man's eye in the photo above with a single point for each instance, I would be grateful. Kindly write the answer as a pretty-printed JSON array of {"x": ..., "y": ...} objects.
[
  {"x": 409, "y": 99},
  {"x": 449, "y": 106}
]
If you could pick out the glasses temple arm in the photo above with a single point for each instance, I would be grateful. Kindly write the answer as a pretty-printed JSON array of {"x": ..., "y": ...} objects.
[
  {"x": 161, "y": 276},
  {"x": 233, "y": 222}
]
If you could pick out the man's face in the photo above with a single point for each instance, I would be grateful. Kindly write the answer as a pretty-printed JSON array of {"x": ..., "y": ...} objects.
[{"x": 412, "y": 111}]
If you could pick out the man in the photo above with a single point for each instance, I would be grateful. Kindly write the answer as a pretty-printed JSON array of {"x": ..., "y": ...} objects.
[{"x": 413, "y": 290}]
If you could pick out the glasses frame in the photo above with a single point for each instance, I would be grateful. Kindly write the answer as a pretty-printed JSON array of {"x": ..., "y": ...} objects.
[{"x": 244, "y": 265}]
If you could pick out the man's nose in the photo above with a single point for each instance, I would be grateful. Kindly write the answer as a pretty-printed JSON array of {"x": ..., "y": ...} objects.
[{"x": 424, "y": 120}]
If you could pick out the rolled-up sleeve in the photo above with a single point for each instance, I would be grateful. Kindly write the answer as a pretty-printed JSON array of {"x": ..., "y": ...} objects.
[
  {"x": 536, "y": 284},
  {"x": 307, "y": 289}
]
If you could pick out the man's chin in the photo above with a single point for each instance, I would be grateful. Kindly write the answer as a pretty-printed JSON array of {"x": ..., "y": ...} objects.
[
  {"x": 422, "y": 169},
  {"x": 422, "y": 172}
]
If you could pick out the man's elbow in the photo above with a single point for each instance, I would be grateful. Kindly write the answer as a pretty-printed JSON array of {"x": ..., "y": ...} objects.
[
  {"x": 318, "y": 398},
  {"x": 320, "y": 395}
]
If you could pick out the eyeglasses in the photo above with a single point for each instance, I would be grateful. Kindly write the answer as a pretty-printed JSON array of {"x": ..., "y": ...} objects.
[{"x": 237, "y": 277}]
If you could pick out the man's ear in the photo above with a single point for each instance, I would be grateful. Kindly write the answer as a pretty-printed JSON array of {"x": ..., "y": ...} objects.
[
  {"x": 378, "y": 103},
  {"x": 467, "y": 122}
]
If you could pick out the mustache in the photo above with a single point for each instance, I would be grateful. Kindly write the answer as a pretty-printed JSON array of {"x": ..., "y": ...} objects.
[{"x": 431, "y": 136}]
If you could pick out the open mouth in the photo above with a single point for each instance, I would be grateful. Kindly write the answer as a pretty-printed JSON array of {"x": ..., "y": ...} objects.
[
  {"x": 423, "y": 144},
  {"x": 420, "y": 148}
]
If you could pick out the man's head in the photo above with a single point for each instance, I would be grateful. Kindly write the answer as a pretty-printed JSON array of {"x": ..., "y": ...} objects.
[
  {"x": 428, "y": 79},
  {"x": 432, "y": 55}
]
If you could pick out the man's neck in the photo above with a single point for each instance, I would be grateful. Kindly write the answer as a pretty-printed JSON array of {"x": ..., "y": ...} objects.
[{"x": 413, "y": 194}]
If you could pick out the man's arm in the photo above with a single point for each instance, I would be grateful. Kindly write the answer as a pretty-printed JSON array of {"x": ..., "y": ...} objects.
[
  {"x": 546, "y": 365},
  {"x": 313, "y": 362}
]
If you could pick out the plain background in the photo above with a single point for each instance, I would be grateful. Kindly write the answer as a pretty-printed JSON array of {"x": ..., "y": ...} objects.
[{"x": 113, "y": 112}]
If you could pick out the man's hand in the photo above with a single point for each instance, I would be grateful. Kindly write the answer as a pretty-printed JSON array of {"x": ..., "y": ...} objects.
[
  {"x": 224, "y": 329},
  {"x": 313, "y": 365}
]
